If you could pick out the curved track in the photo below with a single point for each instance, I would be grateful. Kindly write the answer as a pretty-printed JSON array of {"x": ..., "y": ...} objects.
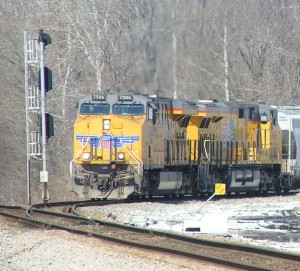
[{"x": 221, "y": 253}]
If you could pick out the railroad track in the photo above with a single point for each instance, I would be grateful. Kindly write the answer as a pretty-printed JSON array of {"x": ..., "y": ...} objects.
[{"x": 226, "y": 254}]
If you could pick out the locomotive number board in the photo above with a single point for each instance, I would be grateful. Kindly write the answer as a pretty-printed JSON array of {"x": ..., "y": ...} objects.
[
  {"x": 125, "y": 97},
  {"x": 98, "y": 97}
]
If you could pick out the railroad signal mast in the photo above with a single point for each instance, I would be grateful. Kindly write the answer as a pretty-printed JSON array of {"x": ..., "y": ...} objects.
[{"x": 38, "y": 80}]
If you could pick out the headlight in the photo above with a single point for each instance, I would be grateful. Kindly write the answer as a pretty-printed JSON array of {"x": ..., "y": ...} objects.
[
  {"x": 106, "y": 124},
  {"x": 121, "y": 155},
  {"x": 86, "y": 155}
]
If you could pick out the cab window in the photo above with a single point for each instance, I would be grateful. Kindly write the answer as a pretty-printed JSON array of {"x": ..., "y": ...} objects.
[
  {"x": 94, "y": 109},
  {"x": 128, "y": 109}
]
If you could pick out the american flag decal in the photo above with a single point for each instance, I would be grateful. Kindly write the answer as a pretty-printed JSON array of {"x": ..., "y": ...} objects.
[{"x": 106, "y": 141}]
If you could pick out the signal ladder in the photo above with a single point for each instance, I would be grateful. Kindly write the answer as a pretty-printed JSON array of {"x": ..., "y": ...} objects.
[
  {"x": 32, "y": 101},
  {"x": 31, "y": 58}
]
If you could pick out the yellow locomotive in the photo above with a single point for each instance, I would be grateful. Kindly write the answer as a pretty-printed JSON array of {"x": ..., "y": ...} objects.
[{"x": 136, "y": 145}]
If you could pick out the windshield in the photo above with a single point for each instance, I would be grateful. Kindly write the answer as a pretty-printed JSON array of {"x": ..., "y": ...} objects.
[
  {"x": 94, "y": 109},
  {"x": 128, "y": 109}
]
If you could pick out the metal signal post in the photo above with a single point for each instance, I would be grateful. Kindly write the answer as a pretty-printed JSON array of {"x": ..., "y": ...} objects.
[
  {"x": 44, "y": 172},
  {"x": 38, "y": 130}
]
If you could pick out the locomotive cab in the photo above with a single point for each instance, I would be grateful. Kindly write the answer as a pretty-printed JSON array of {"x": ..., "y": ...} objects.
[{"x": 107, "y": 145}]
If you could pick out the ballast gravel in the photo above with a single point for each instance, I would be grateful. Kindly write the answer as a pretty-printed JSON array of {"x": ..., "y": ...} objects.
[
  {"x": 24, "y": 248},
  {"x": 271, "y": 221}
]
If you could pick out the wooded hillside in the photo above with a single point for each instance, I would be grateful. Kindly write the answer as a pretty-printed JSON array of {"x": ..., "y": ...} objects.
[{"x": 195, "y": 49}]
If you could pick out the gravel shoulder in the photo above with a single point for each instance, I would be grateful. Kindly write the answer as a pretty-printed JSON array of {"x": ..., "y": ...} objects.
[{"x": 25, "y": 248}]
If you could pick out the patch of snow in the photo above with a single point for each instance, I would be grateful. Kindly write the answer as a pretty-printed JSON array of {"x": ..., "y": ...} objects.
[{"x": 268, "y": 219}]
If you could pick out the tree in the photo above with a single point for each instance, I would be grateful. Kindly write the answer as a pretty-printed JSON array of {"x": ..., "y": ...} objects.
[{"x": 237, "y": 49}]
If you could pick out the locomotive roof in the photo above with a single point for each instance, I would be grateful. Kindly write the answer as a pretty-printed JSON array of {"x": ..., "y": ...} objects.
[
  {"x": 246, "y": 104},
  {"x": 182, "y": 106},
  {"x": 186, "y": 107},
  {"x": 212, "y": 106}
]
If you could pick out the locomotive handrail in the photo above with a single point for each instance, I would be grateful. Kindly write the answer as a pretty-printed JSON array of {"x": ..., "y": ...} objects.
[
  {"x": 246, "y": 150},
  {"x": 176, "y": 151},
  {"x": 205, "y": 150},
  {"x": 78, "y": 154},
  {"x": 135, "y": 158}
]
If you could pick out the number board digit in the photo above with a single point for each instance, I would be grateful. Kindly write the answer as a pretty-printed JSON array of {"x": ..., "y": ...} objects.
[
  {"x": 125, "y": 97},
  {"x": 98, "y": 97}
]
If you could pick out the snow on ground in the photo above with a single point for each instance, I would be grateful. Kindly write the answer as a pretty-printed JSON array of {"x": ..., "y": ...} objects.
[
  {"x": 272, "y": 221},
  {"x": 26, "y": 248}
]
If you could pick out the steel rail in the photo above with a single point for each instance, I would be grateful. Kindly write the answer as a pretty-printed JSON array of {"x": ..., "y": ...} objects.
[
  {"x": 211, "y": 259},
  {"x": 174, "y": 236},
  {"x": 10, "y": 207},
  {"x": 204, "y": 242},
  {"x": 73, "y": 205},
  {"x": 200, "y": 241}
]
